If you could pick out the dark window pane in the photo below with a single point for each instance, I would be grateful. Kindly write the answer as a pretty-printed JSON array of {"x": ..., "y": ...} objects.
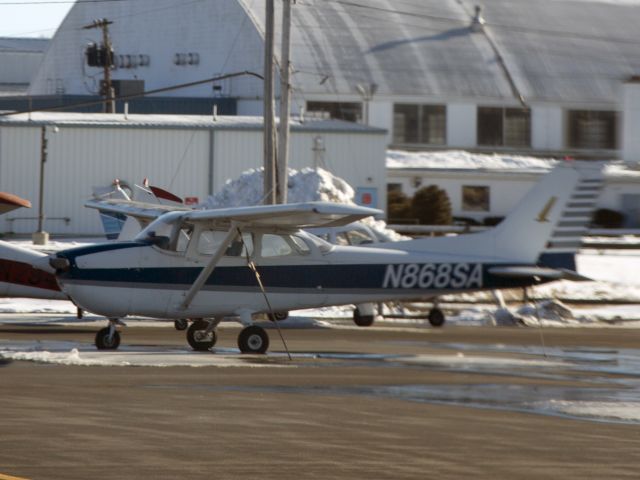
[
  {"x": 517, "y": 127},
  {"x": 434, "y": 124},
  {"x": 592, "y": 129},
  {"x": 475, "y": 198},
  {"x": 490, "y": 126},
  {"x": 351, "y": 112},
  {"x": 405, "y": 123}
]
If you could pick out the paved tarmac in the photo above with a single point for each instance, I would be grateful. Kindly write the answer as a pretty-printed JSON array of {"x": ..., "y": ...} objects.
[{"x": 376, "y": 403}]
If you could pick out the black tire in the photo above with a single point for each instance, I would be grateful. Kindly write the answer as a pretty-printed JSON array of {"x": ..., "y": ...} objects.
[
  {"x": 253, "y": 339},
  {"x": 362, "y": 320},
  {"x": 278, "y": 316},
  {"x": 197, "y": 339},
  {"x": 436, "y": 317},
  {"x": 181, "y": 324},
  {"x": 104, "y": 341}
]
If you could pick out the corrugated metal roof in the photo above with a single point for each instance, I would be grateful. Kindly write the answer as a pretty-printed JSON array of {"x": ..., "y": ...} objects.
[
  {"x": 556, "y": 50},
  {"x": 561, "y": 51},
  {"x": 178, "y": 121}
]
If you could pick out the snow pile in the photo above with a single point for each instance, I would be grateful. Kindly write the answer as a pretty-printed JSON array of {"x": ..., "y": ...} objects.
[{"x": 306, "y": 185}]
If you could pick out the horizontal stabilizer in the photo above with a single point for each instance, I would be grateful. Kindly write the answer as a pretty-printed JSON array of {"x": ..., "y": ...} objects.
[
  {"x": 529, "y": 271},
  {"x": 131, "y": 208}
]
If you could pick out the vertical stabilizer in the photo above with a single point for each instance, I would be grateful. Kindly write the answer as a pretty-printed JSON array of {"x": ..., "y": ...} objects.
[{"x": 553, "y": 216}]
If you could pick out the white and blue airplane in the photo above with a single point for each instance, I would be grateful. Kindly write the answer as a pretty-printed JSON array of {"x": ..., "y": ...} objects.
[{"x": 213, "y": 264}]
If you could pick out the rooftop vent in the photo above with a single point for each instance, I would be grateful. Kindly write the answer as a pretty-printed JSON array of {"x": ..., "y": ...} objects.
[{"x": 477, "y": 23}]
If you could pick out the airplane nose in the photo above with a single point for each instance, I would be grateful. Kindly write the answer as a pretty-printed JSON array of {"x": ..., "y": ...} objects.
[{"x": 59, "y": 264}]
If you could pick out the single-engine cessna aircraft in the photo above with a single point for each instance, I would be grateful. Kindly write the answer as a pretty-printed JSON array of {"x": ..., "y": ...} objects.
[{"x": 214, "y": 263}]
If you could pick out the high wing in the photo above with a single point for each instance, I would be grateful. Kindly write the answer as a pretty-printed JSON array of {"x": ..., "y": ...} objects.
[{"x": 289, "y": 216}]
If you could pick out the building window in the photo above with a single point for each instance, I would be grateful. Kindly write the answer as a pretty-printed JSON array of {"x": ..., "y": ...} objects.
[
  {"x": 475, "y": 198},
  {"x": 424, "y": 124},
  {"x": 593, "y": 129},
  {"x": 349, "y": 111},
  {"x": 504, "y": 127},
  {"x": 394, "y": 188}
]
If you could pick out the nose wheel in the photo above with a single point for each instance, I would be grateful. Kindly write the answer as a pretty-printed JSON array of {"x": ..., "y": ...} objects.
[
  {"x": 253, "y": 339},
  {"x": 108, "y": 338}
]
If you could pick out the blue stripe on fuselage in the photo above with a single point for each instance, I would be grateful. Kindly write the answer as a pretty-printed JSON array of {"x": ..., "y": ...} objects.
[{"x": 343, "y": 277}]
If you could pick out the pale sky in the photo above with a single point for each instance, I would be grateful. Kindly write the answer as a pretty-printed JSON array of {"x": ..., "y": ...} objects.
[{"x": 32, "y": 18}]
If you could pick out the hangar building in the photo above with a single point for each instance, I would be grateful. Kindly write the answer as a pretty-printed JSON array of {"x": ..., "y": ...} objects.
[
  {"x": 190, "y": 155},
  {"x": 539, "y": 77}
]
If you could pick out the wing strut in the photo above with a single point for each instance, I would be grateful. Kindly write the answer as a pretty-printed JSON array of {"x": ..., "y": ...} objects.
[{"x": 206, "y": 271}]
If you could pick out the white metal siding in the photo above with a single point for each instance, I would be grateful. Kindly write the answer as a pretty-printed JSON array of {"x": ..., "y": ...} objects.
[{"x": 81, "y": 157}]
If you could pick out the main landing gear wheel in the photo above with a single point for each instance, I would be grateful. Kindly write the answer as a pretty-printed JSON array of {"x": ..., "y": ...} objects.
[
  {"x": 362, "y": 320},
  {"x": 253, "y": 339},
  {"x": 436, "y": 317},
  {"x": 181, "y": 324},
  {"x": 106, "y": 339},
  {"x": 198, "y": 337}
]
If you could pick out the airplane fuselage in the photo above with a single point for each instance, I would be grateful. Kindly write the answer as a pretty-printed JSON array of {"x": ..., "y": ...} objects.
[{"x": 135, "y": 278}]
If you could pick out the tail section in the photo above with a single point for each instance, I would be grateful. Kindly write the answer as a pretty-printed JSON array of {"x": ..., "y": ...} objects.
[
  {"x": 549, "y": 220},
  {"x": 552, "y": 218}
]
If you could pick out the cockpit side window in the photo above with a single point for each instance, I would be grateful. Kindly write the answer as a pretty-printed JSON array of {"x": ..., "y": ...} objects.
[
  {"x": 274, "y": 246},
  {"x": 209, "y": 242}
]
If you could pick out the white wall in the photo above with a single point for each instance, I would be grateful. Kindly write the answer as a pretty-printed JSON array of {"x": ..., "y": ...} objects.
[
  {"x": 547, "y": 128},
  {"x": 461, "y": 125},
  {"x": 631, "y": 124},
  {"x": 506, "y": 189},
  {"x": 220, "y": 32},
  {"x": 381, "y": 116}
]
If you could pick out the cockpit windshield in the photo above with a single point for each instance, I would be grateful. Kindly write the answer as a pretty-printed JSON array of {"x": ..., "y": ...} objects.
[
  {"x": 321, "y": 244},
  {"x": 167, "y": 232}
]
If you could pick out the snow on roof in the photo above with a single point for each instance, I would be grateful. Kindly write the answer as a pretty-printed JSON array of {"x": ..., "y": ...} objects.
[
  {"x": 228, "y": 122},
  {"x": 455, "y": 160}
]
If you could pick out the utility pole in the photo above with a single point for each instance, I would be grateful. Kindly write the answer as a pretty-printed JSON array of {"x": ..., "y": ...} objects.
[
  {"x": 269, "y": 117},
  {"x": 41, "y": 237},
  {"x": 285, "y": 99},
  {"x": 107, "y": 62}
]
